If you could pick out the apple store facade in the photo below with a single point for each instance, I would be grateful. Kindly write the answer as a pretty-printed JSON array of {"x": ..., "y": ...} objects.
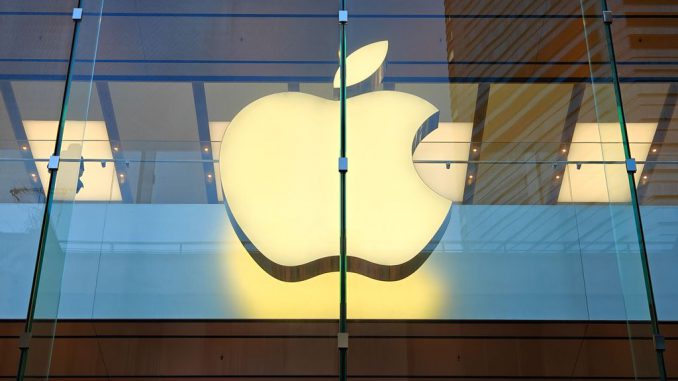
[{"x": 338, "y": 189}]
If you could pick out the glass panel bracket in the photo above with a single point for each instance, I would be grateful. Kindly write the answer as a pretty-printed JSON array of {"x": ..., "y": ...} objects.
[
  {"x": 607, "y": 17},
  {"x": 53, "y": 163},
  {"x": 77, "y": 14},
  {"x": 631, "y": 165},
  {"x": 342, "y": 340},
  {"x": 343, "y": 17},
  {"x": 24, "y": 340},
  {"x": 659, "y": 343},
  {"x": 343, "y": 164}
]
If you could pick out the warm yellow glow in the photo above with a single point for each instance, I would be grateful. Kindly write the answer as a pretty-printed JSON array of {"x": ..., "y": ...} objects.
[
  {"x": 362, "y": 63},
  {"x": 392, "y": 214},
  {"x": 279, "y": 173},
  {"x": 450, "y": 141},
  {"x": 87, "y": 139},
  {"x": 260, "y": 296},
  {"x": 602, "y": 142}
]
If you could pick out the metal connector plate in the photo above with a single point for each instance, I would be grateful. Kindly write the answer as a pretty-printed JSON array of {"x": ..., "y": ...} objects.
[
  {"x": 342, "y": 340},
  {"x": 631, "y": 165},
  {"x": 607, "y": 17},
  {"x": 343, "y": 164},
  {"x": 53, "y": 163},
  {"x": 25, "y": 340},
  {"x": 77, "y": 13},
  {"x": 343, "y": 16},
  {"x": 659, "y": 343}
]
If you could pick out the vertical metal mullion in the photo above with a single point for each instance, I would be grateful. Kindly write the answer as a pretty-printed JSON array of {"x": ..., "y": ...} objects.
[
  {"x": 634, "y": 200},
  {"x": 207, "y": 156},
  {"x": 44, "y": 228},
  {"x": 342, "y": 195}
]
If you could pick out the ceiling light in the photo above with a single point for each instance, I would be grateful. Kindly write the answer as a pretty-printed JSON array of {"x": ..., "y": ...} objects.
[
  {"x": 81, "y": 139},
  {"x": 596, "y": 145}
]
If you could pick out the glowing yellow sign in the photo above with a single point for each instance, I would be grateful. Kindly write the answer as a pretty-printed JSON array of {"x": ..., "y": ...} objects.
[{"x": 278, "y": 162}]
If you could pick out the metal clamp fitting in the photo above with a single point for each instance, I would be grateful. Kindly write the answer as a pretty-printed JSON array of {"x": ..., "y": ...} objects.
[
  {"x": 343, "y": 164},
  {"x": 607, "y": 17},
  {"x": 53, "y": 163},
  {"x": 659, "y": 343},
  {"x": 25, "y": 340},
  {"x": 631, "y": 165},
  {"x": 77, "y": 14},
  {"x": 343, "y": 17},
  {"x": 342, "y": 340}
]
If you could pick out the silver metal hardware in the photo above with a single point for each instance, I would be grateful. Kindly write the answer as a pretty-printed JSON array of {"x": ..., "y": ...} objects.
[
  {"x": 25, "y": 340},
  {"x": 53, "y": 163},
  {"x": 343, "y": 16},
  {"x": 343, "y": 164},
  {"x": 77, "y": 13},
  {"x": 631, "y": 165},
  {"x": 607, "y": 17},
  {"x": 342, "y": 340}
]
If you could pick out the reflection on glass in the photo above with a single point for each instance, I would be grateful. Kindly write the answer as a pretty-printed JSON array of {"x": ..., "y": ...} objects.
[
  {"x": 440, "y": 159},
  {"x": 593, "y": 144},
  {"x": 97, "y": 180}
]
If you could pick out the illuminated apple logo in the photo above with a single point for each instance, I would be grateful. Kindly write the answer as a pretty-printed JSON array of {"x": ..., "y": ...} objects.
[{"x": 278, "y": 165}]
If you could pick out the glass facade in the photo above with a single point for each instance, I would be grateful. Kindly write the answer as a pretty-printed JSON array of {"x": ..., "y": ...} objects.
[{"x": 364, "y": 189}]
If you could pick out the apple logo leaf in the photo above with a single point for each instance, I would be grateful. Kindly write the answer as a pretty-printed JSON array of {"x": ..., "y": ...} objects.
[{"x": 364, "y": 64}]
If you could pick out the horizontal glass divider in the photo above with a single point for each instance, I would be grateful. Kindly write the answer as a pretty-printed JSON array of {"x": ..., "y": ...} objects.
[
  {"x": 62, "y": 160},
  {"x": 306, "y": 15},
  {"x": 333, "y": 15},
  {"x": 440, "y": 161},
  {"x": 556, "y": 162},
  {"x": 323, "y": 79},
  {"x": 330, "y": 62},
  {"x": 479, "y": 144}
]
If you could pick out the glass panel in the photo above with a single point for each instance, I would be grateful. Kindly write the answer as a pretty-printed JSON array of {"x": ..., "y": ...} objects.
[
  {"x": 493, "y": 132},
  {"x": 644, "y": 36},
  {"x": 61, "y": 135},
  {"x": 194, "y": 224},
  {"x": 201, "y": 149},
  {"x": 34, "y": 49}
]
